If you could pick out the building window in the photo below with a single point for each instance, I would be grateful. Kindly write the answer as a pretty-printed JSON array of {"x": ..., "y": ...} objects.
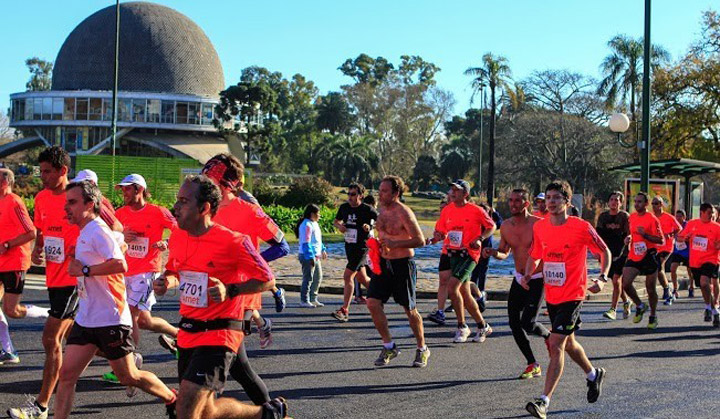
[
  {"x": 138, "y": 107},
  {"x": 18, "y": 110},
  {"x": 207, "y": 113},
  {"x": 153, "y": 110},
  {"x": 47, "y": 108},
  {"x": 95, "y": 110},
  {"x": 193, "y": 113},
  {"x": 69, "y": 109},
  {"x": 28, "y": 109},
  {"x": 81, "y": 110},
  {"x": 107, "y": 109},
  {"x": 181, "y": 113},
  {"x": 124, "y": 110},
  {"x": 168, "y": 112}
]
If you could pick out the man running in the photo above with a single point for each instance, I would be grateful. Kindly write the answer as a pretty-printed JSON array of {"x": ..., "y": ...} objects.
[
  {"x": 670, "y": 227},
  {"x": 541, "y": 210},
  {"x": 644, "y": 239},
  {"x": 438, "y": 315},
  {"x": 103, "y": 321},
  {"x": 681, "y": 256},
  {"x": 703, "y": 238},
  {"x": 613, "y": 226},
  {"x": 107, "y": 211},
  {"x": 561, "y": 243},
  {"x": 16, "y": 233},
  {"x": 212, "y": 266},
  {"x": 523, "y": 305},
  {"x": 398, "y": 233},
  {"x": 462, "y": 227},
  {"x": 354, "y": 219}
]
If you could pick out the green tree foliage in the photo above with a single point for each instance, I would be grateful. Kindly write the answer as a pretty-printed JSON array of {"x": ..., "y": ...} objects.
[
  {"x": 456, "y": 159},
  {"x": 347, "y": 159},
  {"x": 40, "y": 74},
  {"x": 425, "y": 173},
  {"x": 307, "y": 190},
  {"x": 334, "y": 114}
]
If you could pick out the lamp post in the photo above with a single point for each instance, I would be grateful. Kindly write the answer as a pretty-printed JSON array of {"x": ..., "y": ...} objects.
[
  {"x": 482, "y": 110},
  {"x": 645, "y": 144},
  {"x": 113, "y": 125}
]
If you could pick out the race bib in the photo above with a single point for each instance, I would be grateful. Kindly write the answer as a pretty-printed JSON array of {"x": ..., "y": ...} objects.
[
  {"x": 54, "y": 249},
  {"x": 193, "y": 288},
  {"x": 81, "y": 290},
  {"x": 554, "y": 273},
  {"x": 700, "y": 243},
  {"x": 138, "y": 248},
  {"x": 680, "y": 245},
  {"x": 351, "y": 235},
  {"x": 639, "y": 248},
  {"x": 455, "y": 239}
]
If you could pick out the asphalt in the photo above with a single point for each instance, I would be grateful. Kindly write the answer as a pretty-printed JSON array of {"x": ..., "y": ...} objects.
[{"x": 325, "y": 368}]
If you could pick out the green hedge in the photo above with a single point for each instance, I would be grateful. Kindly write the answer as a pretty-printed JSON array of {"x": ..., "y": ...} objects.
[{"x": 286, "y": 217}]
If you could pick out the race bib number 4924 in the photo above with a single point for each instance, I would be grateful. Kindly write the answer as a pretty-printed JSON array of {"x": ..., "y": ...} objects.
[{"x": 54, "y": 249}]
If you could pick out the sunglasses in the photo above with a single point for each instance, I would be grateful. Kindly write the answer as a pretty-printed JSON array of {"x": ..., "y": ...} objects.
[{"x": 352, "y": 193}]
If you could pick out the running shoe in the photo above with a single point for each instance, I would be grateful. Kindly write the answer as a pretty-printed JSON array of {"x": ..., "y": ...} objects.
[
  {"x": 386, "y": 355},
  {"x": 168, "y": 343},
  {"x": 306, "y": 304},
  {"x": 610, "y": 314},
  {"x": 537, "y": 408},
  {"x": 691, "y": 292},
  {"x": 532, "y": 370},
  {"x": 462, "y": 334},
  {"x": 676, "y": 296},
  {"x": 626, "y": 309},
  {"x": 421, "y": 358},
  {"x": 130, "y": 391},
  {"x": 30, "y": 411},
  {"x": 341, "y": 315},
  {"x": 361, "y": 300},
  {"x": 708, "y": 315},
  {"x": 652, "y": 322},
  {"x": 317, "y": 303},
  {"x": 110, "y": 377},
  {"x": 639, "y": 313},
  {"x": 7, "y": 358},
  {"x": 437, "y": 316},
  {"x": 666, "y": 293},
  {"x": 668, "y": 301},
  {"x": 716, "y": 321},
  {"x": 449, "y": 309},
  {"x": 482, "y": 333},
  {"x": 266, "y": 334},
  {"x": 279, "y": 297},
  {"x": 482, "y": 301},
  {"x": 170, "y": 408},
  {"x": 595, "y": 387},
  {"x": 276, "y": 408}
]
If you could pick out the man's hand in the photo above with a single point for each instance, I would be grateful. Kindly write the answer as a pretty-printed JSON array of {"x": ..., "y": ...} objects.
[
  {"x": 627, "y": 240},
  {"x": 37, "y": 256},
  {"x": 524, "y": 281},
  {"x": 75, "y": 268},
  {"x": 366, "y": 227},
  {"x": 438, "y": 236},
  {"x": 488, "y": 251},
  {"x": 597, "y": 286},
  {"x": 476, "y": 244},
  {"x": 341, "y": 227},
  {"x": 387, "y": 243},
  {"x": 161, "y": 245},
  {"x": 217, "y": 290},
  {"x": 160, "y": 285},
  {"x": 324, "y": 255}
]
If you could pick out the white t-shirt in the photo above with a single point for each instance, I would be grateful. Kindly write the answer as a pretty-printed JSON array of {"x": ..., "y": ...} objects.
[
  {"x": 309, "y": 232},
  {"x": 103, "y": 301}
]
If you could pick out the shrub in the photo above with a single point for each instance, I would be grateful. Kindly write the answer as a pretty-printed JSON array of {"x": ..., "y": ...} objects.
[
  {"x": 265, "y": 193},
  {"x": 307, "y": 190},
  {"x": 286, "y": 218}
]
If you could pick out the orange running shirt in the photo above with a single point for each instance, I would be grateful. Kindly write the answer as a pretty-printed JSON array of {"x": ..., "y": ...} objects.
[
  {"x": 563, "y": 251},
  {"x": 543, "y": 215},
  {"x": 149, "y": 222},
  {"x": 222, "y": 254},
  {"x": 462, "y": 225},
  {"x": 247, "y": 218},
  {"x": 14, "y": 221},
  {"x": 59, "y": 238},
  {"x": 701, "y": 240},
  {"x": 668, "y": 224},
  {"x": 638, "y": 244}
]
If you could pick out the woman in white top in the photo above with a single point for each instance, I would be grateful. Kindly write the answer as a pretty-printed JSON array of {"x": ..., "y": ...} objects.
[{"x": 311, "y": 251}]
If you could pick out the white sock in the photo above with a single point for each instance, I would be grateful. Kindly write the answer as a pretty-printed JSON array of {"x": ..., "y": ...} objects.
[
  {"x": 389, "y": 345},
  {"x": 36, "y": 312},
  {"x": 592, "y": 374},
  {"x": 5, "y": 341},
  {"x": 423, "y": 349},
  {"x": 546, "y": 399}
]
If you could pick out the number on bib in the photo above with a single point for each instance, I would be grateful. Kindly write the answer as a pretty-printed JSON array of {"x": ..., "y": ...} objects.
[
  {"x": 700, "y": 243},
  {"x": 351, "y": 235},
  {"x": 455, "y": 238},
  {"x": 54, "y": 249},
  {"x": 554, "y": 273},
  {"x": 639, "y": 248},
  {"x": 680, "y": 245},
  {"x": 193, "y": 288},
  {"x": 138, "y": 248}
]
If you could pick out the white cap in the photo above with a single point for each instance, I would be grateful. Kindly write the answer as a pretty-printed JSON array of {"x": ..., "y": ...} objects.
[
  {"x": 133, "y": 179},
  {"x": 86, "y": 174},
  {"x": 541, "y": 195}
]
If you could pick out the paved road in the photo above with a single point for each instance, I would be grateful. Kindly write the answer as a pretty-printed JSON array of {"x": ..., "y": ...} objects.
[{"x": 325, "y": 368}]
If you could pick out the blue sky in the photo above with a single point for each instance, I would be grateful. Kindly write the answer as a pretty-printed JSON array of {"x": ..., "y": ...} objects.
[{"x": 314, "y": 37}]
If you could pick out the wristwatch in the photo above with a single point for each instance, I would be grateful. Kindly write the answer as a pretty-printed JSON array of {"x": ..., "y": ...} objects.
[
  {"x": 603, "y": 278},
  {"x": 6, "y": 245},
  {"x": 86, "y": 271}
]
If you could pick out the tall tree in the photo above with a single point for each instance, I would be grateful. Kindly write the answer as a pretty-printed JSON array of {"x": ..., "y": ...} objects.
[
  {"x": 41, "y": 74},
  {"x": 493, "y": 73},
  {"x": 334, "y": 113}
]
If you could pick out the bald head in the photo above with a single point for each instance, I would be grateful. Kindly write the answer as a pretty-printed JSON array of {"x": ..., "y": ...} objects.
[{"x": 7, "y": 175}]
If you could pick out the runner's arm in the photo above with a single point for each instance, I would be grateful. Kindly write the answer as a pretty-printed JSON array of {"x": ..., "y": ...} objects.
[
  {"x": 251, "y": 286},
  {"x": 109, "y": 267},
  {"x": 339, "y": 225},
  {"x": 503, "y": 250},
  {"x": 276, "y": 250}
]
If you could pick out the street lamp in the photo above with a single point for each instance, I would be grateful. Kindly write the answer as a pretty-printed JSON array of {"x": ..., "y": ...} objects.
[
  {"x": 620, "y": 123},
  {"x": 482, "y": 110}
]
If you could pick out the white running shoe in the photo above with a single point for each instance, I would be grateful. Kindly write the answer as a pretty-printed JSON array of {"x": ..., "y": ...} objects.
[
  {"x": 462, "y": 334},
  {"x": 29, "y": 411},
  {"x": 483, "y": 333}
]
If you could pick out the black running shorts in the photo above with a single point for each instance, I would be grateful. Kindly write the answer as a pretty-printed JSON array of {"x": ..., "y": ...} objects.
[
  {"x": 13, "y": 281},
  {"x": 356, "y": 257},
  {"x": 444, "y": 264},
  {"x": 63, "y": 302},
  {"x": 206, "y": 366},
  {"x": 647, "y": 266},
  {"x": 114, "y": 341},
  {"x": 616, "y": 267},
  {"x": 565, "y": 317},
  {"x": 397, "y": 279},
  {"x": 709, "y": 270}
]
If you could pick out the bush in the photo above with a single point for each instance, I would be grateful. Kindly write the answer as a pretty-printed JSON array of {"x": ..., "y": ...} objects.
[
  {"x": 286, "y": 218},
  {"x": 307, "y": 190},
  {"x": 265, "y": 193}
]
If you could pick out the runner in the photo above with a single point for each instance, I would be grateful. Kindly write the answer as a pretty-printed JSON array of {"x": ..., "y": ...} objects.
[
  {"x": 670, "y": 227},
  {"x": 462, "y": 227},
  {"x": 213, "y": 266},
  {"x": 144, "y": 225},
  {"x": 354, "y": 219},
  {"x": 644, "y": 239},
  {"x": 107, "y": 210},
  {"x": 55, "y": 246},
  {"x": 680, "y": 256},
  {"x": 561, "y": 243},
  {"x": 478, "y": 278},
  {"x": 541, "y": 210},
  {"x": 398, "y": 234},
  {"x": 16, "y": 233},
  {"x": 359, "y": 297},
  {"x": 703, "y": 237},
  {"x": 438, "y": 314},
  {"x": 103, "y": 321},
  {"x": 613, "y": 226},
  {"x": 523, "y": 305}
]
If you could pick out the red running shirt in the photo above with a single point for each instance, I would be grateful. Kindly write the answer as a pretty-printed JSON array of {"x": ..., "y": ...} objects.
[
  {"x": 668, "y": 224},
  {"x": 463, "y": 225},
  {"x": 14, "y": 221},
  {"x": 638, "y": 244},
  {"x": 149, "y": 222},
  {"x": 563, "y": 250},
  {"x": 59, "y": 238},
  {"x": 701, "y": 240},
  {"x": 222, "y": 254}
]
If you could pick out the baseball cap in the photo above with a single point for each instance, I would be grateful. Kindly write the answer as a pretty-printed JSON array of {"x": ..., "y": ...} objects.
[
  {"x": 86, "y": 174},
  {"x": 133, "y": 179},
  {"x": 541, "y": 196},
  {"x": 461, "y": 184}
]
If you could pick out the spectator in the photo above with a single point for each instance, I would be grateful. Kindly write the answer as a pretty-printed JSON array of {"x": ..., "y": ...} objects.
[{"x": 311, "y": 251}]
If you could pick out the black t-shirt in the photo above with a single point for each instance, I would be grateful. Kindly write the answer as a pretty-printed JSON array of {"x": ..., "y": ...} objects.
[
  {"x": 613, "y": 229},
  {"x": 353, "y": 219}
]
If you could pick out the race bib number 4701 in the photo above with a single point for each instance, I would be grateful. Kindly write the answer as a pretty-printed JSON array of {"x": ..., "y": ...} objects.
[
  {"x": 193, "y": 288},
  {"x": 554, "y": 273},
  {"x": 54, "y": 249}
]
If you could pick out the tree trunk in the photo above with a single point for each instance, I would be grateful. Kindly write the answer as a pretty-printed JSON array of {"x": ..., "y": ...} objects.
[{"x": 491, "y": 149}]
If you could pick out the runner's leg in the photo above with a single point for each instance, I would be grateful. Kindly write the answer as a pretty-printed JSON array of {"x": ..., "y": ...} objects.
[
  {"x": 147, "y": 321},
  {"x": 416, "y": 325},
  {"x": 629, "y": 275},
  {"x": 53, "y": 332},
  {"x": 129, "y": 375},
  {"x": 379, "y": 318},
  {"x": 444, "y": 277},
  {"x": 516, "y": 304},
  {"x": 470, "y": 304},
  {"x": 77, "y": 358},
  {"x": 673, "y": 275},
  {"x": 242, "y": 372},
  {"x": 457, "y": 300},
  {"x": 557, "y": 343},
  {"x": 651, "y": 286},
  {"x": 531, "y": 311},
  {"x": 348, "y": 287}
]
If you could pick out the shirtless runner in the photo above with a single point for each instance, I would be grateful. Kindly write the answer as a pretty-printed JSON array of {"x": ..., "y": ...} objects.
[
  {"x": 399, "y": 233},
  {"x": 516, "y": 236}
]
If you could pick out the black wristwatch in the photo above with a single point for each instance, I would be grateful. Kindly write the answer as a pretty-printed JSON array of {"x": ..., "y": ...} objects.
[
  {"x": 603, "y": 278},
  {"x": 86, "y": 271}
]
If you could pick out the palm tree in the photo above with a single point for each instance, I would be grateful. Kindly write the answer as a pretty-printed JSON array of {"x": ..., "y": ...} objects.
[
  {"x": 623, "y": 70},
  {"x": 494, "y": 73},
  {"x": 348, "y": 158}
]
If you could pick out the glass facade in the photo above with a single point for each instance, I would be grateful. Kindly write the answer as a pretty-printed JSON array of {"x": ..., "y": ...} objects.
[{"x": 100, "y": 109}]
